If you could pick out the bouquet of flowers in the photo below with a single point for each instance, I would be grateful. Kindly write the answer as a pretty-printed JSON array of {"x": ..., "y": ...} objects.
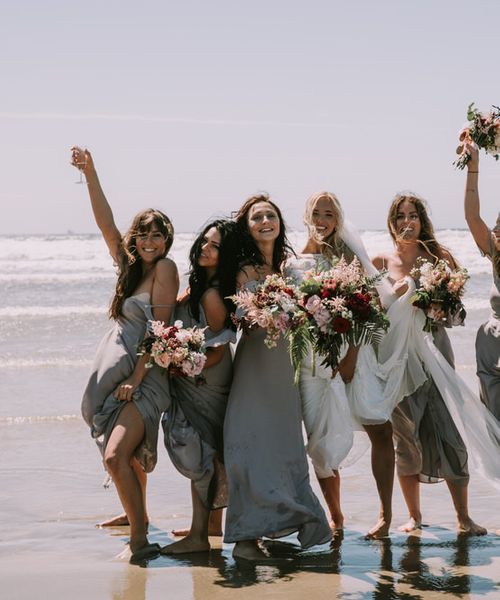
[
  {"x": 274, "y": 305},
  {"x": 180, "y": 350},
  {"x": 341, "y": 308},
  {"x": 441, "y": 289},
  {"x": 484, "y": 130}
]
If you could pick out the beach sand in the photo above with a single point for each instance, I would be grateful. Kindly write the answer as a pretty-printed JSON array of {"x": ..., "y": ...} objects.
[{"x": 50, "y": 502}]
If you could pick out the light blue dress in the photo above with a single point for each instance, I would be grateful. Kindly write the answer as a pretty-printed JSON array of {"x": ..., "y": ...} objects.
[
  {"x": 268, "y": 476},
  {"x": 194, "y": 423},
  {"x": 115, "y": 361},
  {"x": 488, "y": 353}
]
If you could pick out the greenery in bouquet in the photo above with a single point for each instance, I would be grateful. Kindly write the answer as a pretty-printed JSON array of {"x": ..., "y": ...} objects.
[
  {"x": 484, "y": 130},
  {"x": 440, "y": 291}
]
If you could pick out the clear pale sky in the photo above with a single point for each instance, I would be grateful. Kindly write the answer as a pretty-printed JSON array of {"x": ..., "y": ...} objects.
[{"x": 192, "y": 106}]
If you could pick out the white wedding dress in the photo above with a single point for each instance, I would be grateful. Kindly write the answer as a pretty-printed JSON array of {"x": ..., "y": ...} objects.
[{"x": 334, "y": 411}]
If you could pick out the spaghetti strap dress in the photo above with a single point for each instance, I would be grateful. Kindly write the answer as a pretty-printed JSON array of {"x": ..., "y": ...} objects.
[
  {"x": 268, "y": 476},
  {"x": 115, "y": 360},
  {"x": 194, "y": 423},
  {"x": 488, "y": 352}
]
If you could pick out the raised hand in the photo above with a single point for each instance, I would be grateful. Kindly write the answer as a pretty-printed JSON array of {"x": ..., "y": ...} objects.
[
  {"x": 82, "y": 160},
  {"x": 472, "y": 150}
]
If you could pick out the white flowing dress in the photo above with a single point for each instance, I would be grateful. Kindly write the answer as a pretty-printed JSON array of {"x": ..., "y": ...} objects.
[{"x": 333, "y": 411}]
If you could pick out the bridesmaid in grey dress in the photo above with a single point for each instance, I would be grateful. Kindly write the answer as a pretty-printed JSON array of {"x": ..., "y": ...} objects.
[
  {"x": 428, "y": 444},
  {"x": 488, "y": 335},
  {"x": 268, "y": 476},
  {"x": 194, "y": 423},
  {"x": 123, "y": 401}
]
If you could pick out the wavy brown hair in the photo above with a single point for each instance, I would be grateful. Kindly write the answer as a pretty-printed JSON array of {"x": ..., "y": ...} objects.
[
  {"x": 427, "y": 238},
  {"x": 333, "y": 245},
  {"x": 129, "y": 261},
  {"x": 250, "y": 253}
]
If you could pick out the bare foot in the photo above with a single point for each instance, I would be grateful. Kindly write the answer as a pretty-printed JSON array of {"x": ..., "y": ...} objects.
[
  {"x": 468, "y": 527},
  {"x": 145, "y": 552},
  {"x": 337, "y": 524},
  {"x": 186, "y": 546},
  {"x": 118, "y": 521},
  {"x": 379, "y": 530},
  {"x": 185, "y": 532},
  {"x": 411, "y": 525},
  {"x": 251, "y": 551}
]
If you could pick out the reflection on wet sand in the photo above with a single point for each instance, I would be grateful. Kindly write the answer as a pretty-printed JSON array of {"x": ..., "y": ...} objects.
[
  {"x": 131, "y": 585},
  {"x": 432, "y": 561}
]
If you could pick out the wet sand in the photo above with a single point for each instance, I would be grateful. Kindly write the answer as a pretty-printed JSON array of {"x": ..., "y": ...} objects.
[{"x": 51, "y": 498}]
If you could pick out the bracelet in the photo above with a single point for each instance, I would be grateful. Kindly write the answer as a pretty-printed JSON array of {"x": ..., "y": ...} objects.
[{"x": 472, "y": 172}]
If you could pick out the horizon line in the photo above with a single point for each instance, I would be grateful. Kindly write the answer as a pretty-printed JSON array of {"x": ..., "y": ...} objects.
[{"x": 159, "y": 119}]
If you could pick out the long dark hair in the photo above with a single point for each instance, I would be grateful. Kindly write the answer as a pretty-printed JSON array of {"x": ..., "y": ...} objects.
[
  {"x": 427, "y": 238},
  {"x": 129, "y": 260},
  {"x": 224, "y": 278},
  {"x": 250, "y": 253}
]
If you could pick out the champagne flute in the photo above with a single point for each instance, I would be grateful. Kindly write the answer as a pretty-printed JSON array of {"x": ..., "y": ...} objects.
[{"x": 79, "y": 160}]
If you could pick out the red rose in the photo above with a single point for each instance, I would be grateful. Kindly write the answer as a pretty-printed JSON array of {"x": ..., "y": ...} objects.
[{"x": 341, "y": 325}]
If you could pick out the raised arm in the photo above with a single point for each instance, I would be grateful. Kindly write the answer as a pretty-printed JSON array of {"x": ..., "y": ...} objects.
[
  {"x": 103, "y": 215},
  {"x": 480, "y": 231}
]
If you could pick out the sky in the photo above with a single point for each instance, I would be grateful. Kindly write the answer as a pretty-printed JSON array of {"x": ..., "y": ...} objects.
[{"x": 192, "y": 106}]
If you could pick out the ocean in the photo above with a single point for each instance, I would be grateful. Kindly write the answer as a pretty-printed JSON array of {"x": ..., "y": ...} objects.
[{"x": 54, "y": 295}]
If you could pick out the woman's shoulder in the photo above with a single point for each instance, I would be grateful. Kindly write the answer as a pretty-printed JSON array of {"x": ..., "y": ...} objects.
[
  {"x": 211, "y": 295},
  {"x": 165, "y": 267}
]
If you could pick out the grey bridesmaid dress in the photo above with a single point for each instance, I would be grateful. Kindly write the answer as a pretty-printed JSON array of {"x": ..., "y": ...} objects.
[
  {"x": 427, "y": 440},
  {"x": 115, "y": 361},
  {"x": 266, "y": 465},
  {"x": 488, "y": 353},
  {"x": 193, "y": 425}
]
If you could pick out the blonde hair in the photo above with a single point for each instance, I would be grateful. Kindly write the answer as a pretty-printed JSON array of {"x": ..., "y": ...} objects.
[{"x": 333, "y": 245}]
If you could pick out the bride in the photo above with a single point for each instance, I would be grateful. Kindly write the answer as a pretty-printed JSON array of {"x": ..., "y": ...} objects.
[{"x": 330, "y": 401}]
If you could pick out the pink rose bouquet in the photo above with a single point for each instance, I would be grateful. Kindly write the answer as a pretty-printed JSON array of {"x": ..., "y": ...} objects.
[
  {"x": 484, "y": 130},
  {"x": 341, "y": 307},
  {"x": 178, "y": 350},
  {"x": 273, "y": 305},
  {"x": 441, "y": 289}
]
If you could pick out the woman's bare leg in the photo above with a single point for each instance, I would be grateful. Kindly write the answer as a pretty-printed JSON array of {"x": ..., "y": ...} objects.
[
  {"x": 383, "y": 460},
  {"x": 214, "y": 525},
  {"x": 330, "y": 486},
  {"x": 197, "y": 538},
  {"x": 124, "y": 439},
  {"x": 410, "y": 486},
  {"x": 459, "y": 495},
  {"x": 122, "y": 519}
]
